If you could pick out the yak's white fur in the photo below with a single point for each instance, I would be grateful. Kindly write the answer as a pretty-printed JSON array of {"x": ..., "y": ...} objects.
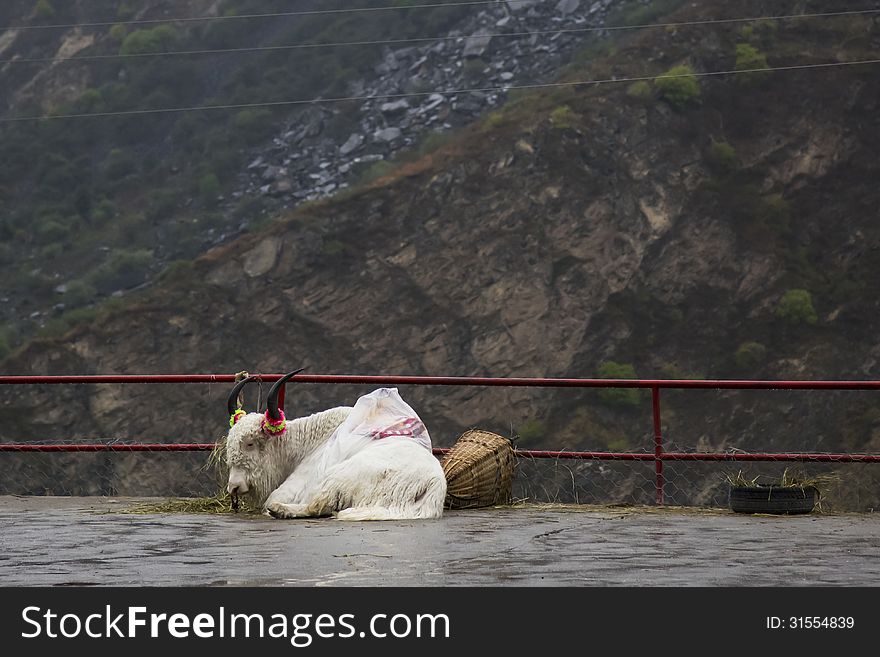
[{"x": 295, "y": 474}]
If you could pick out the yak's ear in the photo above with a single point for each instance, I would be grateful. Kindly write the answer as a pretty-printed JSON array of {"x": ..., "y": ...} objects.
[{"x": 236, "y": 416}]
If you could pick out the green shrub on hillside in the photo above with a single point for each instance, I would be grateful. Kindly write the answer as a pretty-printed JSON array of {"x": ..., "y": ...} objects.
[
  {"x": 118, "y": 32},
  {"x": 679, "y": 86},
  {"x": 796, "y": 307},
  {"x": 44, "y": 9},
  {"x": 722, "y": 156},
  {"x": 618, "y": 444},
  {"x": 640, "y": 90},
  {"x": 762, "y": 29},
  {"x": 749, "y": 58},
  {"x": 124, "y": 269},
  {"x": 79, "y": 293},
  {"x": 155, "y": 39},
  {"x": 209, "y": 188},
  {"x": 58, "y": 326},
  {"x": 375, "y": 171},
  {"x": 119, "y": 163},
  {"x": 53, "y": 230},
  {"x": 624, "y": 397},
  {"x": 252, "y": 124},
  {"x": 562, "y": 118},
  {"x": 750, "y": 355},
  {"x": 104, "y": 211}
]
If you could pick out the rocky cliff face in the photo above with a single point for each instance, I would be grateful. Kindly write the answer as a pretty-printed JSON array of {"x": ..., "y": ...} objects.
[
  {"x": 576, "y": 227},
  {"x": 171, "y": 186}
]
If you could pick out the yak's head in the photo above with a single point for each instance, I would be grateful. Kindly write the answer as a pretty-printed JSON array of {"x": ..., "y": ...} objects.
[{"x": 256, "y": 449}]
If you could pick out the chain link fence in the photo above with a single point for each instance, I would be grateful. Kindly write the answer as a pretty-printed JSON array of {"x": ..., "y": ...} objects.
[{"x": 134, "y": 471}]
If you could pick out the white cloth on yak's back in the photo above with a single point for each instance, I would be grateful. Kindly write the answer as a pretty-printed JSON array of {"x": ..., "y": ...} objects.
[{"x": 378, "y": 415}]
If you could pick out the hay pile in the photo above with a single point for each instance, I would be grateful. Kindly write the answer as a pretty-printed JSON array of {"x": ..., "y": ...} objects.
[{"x": 479, "y": 470}]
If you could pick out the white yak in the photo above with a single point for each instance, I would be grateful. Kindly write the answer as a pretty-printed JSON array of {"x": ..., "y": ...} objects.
[{"x": 319, "y": 465}]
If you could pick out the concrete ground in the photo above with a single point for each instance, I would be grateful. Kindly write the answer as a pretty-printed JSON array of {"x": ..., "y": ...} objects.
[{"x": 47, "y": 541}]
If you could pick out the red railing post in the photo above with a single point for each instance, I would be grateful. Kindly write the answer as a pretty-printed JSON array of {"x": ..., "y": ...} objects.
[
  {"x": 658, "y": 445},
  {"x": 281, "y": 392}
]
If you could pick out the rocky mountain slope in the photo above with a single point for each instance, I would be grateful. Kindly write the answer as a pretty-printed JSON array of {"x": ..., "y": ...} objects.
[
  {"x": 96, "y": 207},
  {"x": 724, "y": 228}
]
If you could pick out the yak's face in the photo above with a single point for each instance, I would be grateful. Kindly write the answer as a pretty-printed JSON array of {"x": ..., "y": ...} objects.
[
  {"x": 247, "y": 455},
  {"x": 254, "y": 442}
]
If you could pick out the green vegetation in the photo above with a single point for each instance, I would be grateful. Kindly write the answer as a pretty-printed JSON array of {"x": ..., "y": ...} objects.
[
  {"x": 760, "y": 30},
  {"x": 253, "y": 124},
  {"x": 335, "y": 247},
  {"x": 672, "y": 370},
  {"x": 44, "y": 9},
  {"x": 126, "y": 183},
  {"x": 79, "y": 293},
  {"x": 177, "y": 270},
  {"x": 774, "y": 212},
  {"x": 494, "y": 119},
  {"x": 156, "y": 39},
  {"x": 562, "y": 118},
  {"x": 209, "y": 188},
  {"x": 376, "y": 170},
  {"x": 636, "y": 12},
  {"x": 679, "y": 86},
  {"x": 620, "y": 397},
  {"x": 762, "y": 221},
  {"x": 60, "y": 325},
  {"x": 750, "y": 355},
  {"x": 749, "y": 58},
  {"x": 124, "y": 269},
  {"x": 722, "y": 156},
  {"x": 618, "y": 444},
  {"x": 532, "y": 430},
  {"x": 433, "y": 141},
  {"x": 640, "y": 91},
  {"x": 118, "y": 32},
  {"x": 796, "y": 308}
]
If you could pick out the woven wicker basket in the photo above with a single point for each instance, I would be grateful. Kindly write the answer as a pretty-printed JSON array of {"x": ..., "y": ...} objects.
[{"x": 479, "y": 470}]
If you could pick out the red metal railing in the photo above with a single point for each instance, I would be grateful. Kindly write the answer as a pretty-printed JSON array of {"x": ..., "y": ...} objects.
[{"x": 655, "y": 385}]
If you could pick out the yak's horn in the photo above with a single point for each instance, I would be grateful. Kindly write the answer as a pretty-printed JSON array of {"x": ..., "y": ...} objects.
[
  {"x": 272, "y": 400},
  {"x": 232, "y": 400}
]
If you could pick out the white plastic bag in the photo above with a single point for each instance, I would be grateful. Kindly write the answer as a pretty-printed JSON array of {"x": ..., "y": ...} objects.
[{"x": 378, "y": 415}]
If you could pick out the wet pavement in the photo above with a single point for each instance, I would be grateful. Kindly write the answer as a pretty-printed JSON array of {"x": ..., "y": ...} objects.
[{"x": 47, "y": 541}]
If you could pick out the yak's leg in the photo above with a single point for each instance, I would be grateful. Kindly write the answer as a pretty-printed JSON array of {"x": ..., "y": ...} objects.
[
  {"x": 287, "y": 501},
  {"x": 282, "y": 510},
  {"x": 291, "y": 499}
]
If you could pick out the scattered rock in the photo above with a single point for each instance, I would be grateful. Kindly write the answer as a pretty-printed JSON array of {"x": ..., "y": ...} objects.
[
  {"x": 260, "y": 259},
  {"x": 566, "y": 7},
  {"x": 525, "y": 147},
  {"x": 394, "y": 107},
  {"x": 352, "y": 144},
  {"x": 305, "y": 162},
  {"x": 387, "y": 134},
  {"x": 521, "y": 5},
  {"x": 476, "y": 45}
]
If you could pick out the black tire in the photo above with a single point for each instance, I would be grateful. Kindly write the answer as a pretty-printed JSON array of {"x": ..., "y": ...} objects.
[{"x": 773, "y": 499}]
